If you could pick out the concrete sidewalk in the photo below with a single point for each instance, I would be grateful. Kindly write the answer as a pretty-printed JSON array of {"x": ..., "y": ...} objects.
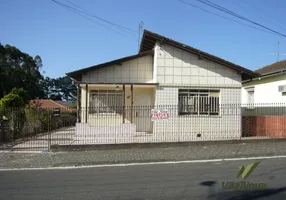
[{"x": 193, "y": 151}]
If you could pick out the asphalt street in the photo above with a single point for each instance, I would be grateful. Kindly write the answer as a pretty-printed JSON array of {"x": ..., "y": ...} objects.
[{"x": 162, "y": 181}]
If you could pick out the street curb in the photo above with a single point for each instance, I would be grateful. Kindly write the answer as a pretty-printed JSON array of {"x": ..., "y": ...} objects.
[
  {"x": 142, "y": 163},
  {"x": 86, "y": 147}
]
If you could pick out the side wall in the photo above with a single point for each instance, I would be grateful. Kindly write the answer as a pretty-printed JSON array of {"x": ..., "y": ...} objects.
[
  {"x": 177, "y": 69},
  {"x": 266, "y": 90},
  {"x": 139, "y": 70},
  {"x": 175, "y": 66}
]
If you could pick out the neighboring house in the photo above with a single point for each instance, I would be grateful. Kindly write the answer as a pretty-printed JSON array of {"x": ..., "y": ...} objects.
[
  {"x": 66, "y": 103},
  {"x": 270, "y": 87},
  {"x": 50, "y": 105},
  {"x": 167, "y": 74},
  {"x": 264, "y": 102}
]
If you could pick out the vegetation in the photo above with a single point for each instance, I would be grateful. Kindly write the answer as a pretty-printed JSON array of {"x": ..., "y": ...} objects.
[
  {"x": 21, "y": 80},
  {"x": 20, "y": 70}
]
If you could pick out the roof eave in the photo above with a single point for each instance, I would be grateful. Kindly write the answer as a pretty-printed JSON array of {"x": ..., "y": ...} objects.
[
  {"x": 184, "y": 47},
  {"x": 78, "y": 73}
]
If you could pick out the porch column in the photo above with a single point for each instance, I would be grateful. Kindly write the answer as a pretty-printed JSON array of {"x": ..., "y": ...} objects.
[
  {"x": 86, "y": 102},
  {"x": 123, "y": 114},
  {"x": 131, "y": 104},
  {"x": 78, "y": 115}
]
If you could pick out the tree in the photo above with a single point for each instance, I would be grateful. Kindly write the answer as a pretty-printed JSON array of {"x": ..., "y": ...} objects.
[
  {"x": 18, "y": 69},
  {"x": 66, "y": 87},
  {"x": 17, "y": 98},
  {"x": 61, "y": 88}
]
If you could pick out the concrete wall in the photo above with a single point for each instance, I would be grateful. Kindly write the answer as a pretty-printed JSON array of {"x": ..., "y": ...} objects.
[
  {"x": 265, "y": 90},
  {"x": 175, "y": 66},
  {"x": 178, "y": 69},
  {"x": 226, "y": 125},
  {"x": 139, "y": 70}
]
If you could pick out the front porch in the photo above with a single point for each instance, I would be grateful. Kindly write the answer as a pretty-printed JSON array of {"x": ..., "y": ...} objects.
[{"x": 114, "y": 110}]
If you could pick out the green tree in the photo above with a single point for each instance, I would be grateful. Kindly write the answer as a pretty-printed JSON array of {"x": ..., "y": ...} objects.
[
  {"x": 18, "y": 69},
  {"x": 61, "y": 88},
  {"x": 66, "y": 87},
  {"x": 12, "y": 113},
  {"x": 17, "y": 98}
]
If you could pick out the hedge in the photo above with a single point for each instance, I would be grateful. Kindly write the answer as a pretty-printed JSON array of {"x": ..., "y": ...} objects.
[{"x": 23, "y": 122}]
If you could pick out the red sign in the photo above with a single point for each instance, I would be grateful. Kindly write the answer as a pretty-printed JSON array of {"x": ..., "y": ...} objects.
[{"x": 157, "y": 114}]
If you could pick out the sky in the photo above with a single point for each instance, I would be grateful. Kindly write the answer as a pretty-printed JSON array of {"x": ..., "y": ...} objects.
[{"x": 67, "y": 42}]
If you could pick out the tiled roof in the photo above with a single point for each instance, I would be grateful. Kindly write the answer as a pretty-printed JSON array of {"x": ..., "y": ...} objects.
[
  {"x": 65, "y": 103},
  {"x": 275, "y": 67},
  {"x": 48, "y": 104}
]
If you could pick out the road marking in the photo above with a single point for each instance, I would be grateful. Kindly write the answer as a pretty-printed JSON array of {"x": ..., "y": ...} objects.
[
  {"x": 10, "y": 151},
  {"x": 140, "y": 164}
]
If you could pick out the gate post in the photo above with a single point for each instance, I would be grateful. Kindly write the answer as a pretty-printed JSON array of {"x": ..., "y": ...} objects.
[{"x": 49, "y": 130}]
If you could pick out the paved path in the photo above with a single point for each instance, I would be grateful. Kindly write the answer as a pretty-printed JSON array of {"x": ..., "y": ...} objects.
[
  {"x": 41, "y": 142},
  {"x": 152, "y": 182}
]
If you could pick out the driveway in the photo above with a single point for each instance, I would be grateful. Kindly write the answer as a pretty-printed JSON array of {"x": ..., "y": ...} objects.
[{"x": 41, "y": 141}]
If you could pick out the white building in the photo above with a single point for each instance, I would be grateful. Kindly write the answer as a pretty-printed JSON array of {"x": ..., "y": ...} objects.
[
  {"x": 269, "y": 88},
  {"x": 193, "y": 87}
]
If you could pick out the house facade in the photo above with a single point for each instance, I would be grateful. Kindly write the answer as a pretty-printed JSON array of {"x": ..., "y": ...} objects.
[
  {"x": 199, "y": 95},
  {"x": 269, "y": 88},
  {"x": 264, "y": 102}
]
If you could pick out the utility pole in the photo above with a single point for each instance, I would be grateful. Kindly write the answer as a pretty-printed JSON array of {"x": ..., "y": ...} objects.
[
  {"x": 140, "y": 30},
  {"x": 278, "y": 54}
]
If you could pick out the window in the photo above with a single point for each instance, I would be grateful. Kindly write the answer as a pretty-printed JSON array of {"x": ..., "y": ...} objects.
[
  {"x": 250, "y": 95},
  {"x": 106, "y": 101},
  {"x": 198, "y": 102}
]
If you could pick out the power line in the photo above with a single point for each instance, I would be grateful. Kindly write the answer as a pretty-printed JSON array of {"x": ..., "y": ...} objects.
[
  {"x": 265, "y": 16},
  {"x": 187, "y": 3},
  {"x": 99, "y": 18},
  {"x": 225, "y": 10},
  {"x": 78, "y": 12}
]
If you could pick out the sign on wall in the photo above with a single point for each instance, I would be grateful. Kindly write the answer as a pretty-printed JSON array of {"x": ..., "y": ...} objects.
[
  {"x": 159, "y": 114},
  {"x": 57, "y": 112}
]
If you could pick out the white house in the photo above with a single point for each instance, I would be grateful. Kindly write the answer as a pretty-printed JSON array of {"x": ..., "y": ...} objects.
[
  {"x": 269, "y": 88},
  {"x": 196, "y": 93}
]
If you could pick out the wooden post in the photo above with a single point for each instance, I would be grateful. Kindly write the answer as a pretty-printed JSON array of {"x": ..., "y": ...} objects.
[
  {"x": 86, "y": 102},
  {"x": 131, "y": 103}
]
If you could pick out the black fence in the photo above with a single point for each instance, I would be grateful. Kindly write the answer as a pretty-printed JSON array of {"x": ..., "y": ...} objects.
[
  {"x": 34, "y": 129},
  {"x": 31, "y": 128}
]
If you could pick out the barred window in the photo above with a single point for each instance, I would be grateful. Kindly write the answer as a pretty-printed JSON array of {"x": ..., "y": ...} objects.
[
  {"x": 198, "y": 102},
  {"x": 106, "y": 101}
]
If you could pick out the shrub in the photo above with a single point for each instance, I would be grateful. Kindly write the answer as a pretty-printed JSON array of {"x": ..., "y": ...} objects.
[
  {"x": 12, "y": 113},
  {"x": 11, "y": 101},
  {"x": 12, "y": 123}
]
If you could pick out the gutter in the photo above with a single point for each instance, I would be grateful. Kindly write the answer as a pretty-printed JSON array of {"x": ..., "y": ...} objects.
[{"x": 266, "y": 75}]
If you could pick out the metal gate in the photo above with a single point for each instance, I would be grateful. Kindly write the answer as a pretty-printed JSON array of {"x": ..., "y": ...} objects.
[{"x": 30, "y": 129}]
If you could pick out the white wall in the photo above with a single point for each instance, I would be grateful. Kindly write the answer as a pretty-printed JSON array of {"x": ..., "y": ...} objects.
[
  {"x": 177, "y": 69},
  {"x": 139, "y": 70},
  {"x": 265, "y": 90},
  {"x": 175, "y": 66},
  {"x": 225, "y": 126}
]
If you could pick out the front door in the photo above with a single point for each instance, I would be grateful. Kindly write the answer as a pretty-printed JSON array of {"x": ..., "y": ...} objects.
[{"x": 142, "y": 112}]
